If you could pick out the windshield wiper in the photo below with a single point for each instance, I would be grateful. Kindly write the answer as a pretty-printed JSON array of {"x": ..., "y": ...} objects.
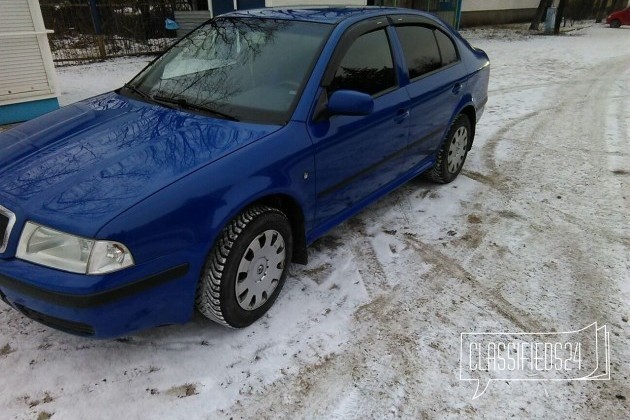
[
  {"x": 183, "y": 103},
  {"x": 136, "y": 91}
]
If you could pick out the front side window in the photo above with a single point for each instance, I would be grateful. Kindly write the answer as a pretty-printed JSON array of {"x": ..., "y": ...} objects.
[
  {"x": 367, "y": 66},
  {"x": 420, "y": 48},
  {"x": 242, "y": 68}
]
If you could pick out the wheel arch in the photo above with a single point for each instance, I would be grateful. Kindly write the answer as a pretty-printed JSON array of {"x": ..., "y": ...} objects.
[
  {"x": 470, "y": 112},
  {"x": 287, "y": 204},
  {"x": 293, "y": 210}
]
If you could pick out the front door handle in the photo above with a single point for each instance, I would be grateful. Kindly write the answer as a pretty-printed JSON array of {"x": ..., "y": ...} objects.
[{"x": 401, "y": 115}]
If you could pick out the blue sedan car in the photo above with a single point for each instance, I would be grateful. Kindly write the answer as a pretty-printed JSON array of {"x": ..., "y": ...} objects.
[{"x": 199, "y": 181}]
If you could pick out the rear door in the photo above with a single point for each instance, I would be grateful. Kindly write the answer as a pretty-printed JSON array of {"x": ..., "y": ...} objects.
[
  {"x": 357, "y": 155},
  {"x": 436, "y": 82}
]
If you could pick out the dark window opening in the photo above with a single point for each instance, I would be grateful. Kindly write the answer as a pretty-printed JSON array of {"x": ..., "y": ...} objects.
[
  {"x": 447, "y": 49},
  {"x": 367, "y": 66},
  {"x": 420, "y": 48}
]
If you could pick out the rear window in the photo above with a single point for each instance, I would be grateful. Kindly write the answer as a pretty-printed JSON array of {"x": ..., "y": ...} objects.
[
  {"x": 447, "y": 49},
  {"x": 420, "y": 48}
]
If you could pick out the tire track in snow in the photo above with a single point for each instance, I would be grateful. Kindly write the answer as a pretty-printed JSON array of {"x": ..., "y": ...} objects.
[
  {"x": 444, "y": 265},
  {"x": 596, "y": 95},
  {"x": 573, "y": 129}
]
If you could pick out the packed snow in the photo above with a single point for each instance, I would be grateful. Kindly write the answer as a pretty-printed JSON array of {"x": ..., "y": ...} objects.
[{"x": 534, "y": 236}]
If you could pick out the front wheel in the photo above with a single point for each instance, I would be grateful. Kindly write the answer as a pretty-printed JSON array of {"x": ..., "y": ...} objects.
[
  {"x": 452, "y": 155},
  {"x": 246, "y": 270},
  {"x": 615, "y": 24}
]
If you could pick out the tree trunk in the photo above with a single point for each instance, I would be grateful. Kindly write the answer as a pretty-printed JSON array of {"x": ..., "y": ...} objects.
[
  {"x": 597, "y": 4},
  {"x": 541, "y": 14},
  {"x": 601, "y": 11},
  {"x": 559, "y": 14},
  {"x": 542, "y": 6}
]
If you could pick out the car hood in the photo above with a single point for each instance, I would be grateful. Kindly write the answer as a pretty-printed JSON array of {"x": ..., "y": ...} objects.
[{"x": 96, "y": 158}]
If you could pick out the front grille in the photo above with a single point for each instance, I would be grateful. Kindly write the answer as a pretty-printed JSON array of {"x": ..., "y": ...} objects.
[
  {"x": 7, "y": 219},
  {"x": 57, "y": 323}
]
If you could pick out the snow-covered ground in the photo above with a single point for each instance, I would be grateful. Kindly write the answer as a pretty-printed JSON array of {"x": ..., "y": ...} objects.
[
  {"x": 84, "y": 81},
  {"x": 534, "y": 236}
]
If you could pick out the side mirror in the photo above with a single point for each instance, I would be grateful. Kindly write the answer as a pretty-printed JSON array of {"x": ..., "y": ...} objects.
[{"x": 350, "y": 102}]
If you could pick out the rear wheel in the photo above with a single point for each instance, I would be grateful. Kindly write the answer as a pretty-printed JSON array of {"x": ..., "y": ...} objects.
[
  {"x": 247, "y": 268},
  {"x": 615, "y": 23},
  {"x": 452, "y": 155}
]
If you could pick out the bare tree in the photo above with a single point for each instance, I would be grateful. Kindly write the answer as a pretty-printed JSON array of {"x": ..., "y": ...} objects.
[
  {"x": 559, "y": 15},
  {"x": 540, "y": 14},
  {"x": 601, "y": 10}
]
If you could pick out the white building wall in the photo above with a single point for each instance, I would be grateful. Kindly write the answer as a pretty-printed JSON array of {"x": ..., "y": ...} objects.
[
  {"x": 486, "y": 5},
  {"x": 285, "y": 3},
  {"x": 26, "y": 66}
]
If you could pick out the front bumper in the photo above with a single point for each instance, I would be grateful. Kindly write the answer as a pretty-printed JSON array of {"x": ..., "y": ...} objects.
[{"x": 144, "y": 296}]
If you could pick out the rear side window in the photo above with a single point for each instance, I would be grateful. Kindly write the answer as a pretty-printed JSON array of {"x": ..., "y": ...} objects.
[
  {"x": 420, "y": 48},
  {"x": 367, "y": 66},
  {"x": 447, "y": 49}
]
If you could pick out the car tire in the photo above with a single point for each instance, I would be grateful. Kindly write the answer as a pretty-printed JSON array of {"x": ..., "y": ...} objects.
[
  {"x": 247, "y": 267},
  {"x": 615, "y": 23},
  {"x": 452, "y": 154}
]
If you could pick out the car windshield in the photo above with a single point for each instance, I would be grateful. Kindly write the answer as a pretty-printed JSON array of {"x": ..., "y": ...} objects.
[{"x": 236, "y": 68}]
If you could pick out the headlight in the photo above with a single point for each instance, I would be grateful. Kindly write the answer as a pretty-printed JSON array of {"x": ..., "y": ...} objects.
[{"x": 63, "y": 251}]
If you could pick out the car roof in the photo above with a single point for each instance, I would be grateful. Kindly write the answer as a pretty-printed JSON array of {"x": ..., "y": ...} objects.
[{"x": 320, "y": 14}]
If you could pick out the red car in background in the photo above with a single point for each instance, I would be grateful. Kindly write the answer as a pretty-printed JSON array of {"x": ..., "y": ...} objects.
[{"x": 618, "y": 18}]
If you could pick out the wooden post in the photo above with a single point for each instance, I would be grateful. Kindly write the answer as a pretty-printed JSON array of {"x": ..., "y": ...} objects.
[{"x": 96, "y": 21}]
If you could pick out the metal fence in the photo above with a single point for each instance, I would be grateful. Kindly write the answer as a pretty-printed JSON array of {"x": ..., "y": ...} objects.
[{"x": 87, "y": 30}]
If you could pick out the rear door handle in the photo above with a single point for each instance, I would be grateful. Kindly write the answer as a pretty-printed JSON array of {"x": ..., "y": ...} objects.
[{"x": 457, "y": 88}]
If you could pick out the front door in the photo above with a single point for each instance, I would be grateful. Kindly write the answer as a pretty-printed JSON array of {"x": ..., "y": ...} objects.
[{"x": 355, "y": 156}]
